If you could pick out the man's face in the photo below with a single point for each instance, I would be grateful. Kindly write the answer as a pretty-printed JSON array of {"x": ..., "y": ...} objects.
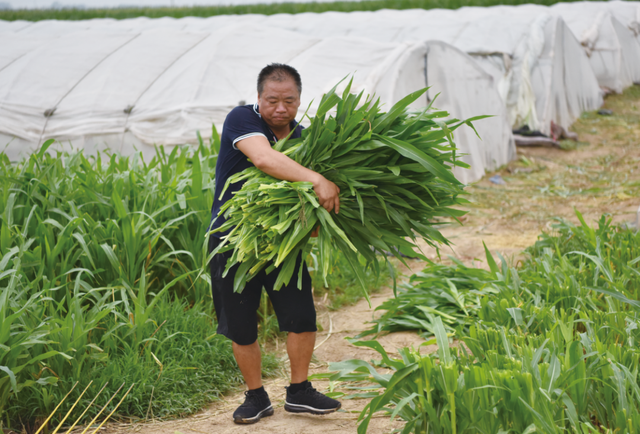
[{"x": 279, "y": 102}]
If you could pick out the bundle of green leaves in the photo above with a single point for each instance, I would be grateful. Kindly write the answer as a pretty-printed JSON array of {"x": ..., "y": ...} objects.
[{"x": 394, "y": 171}]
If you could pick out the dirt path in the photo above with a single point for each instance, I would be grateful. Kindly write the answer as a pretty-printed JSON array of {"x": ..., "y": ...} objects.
[
  {"x": 602, "y": 175},
  {"x": 331, "y": 347}
]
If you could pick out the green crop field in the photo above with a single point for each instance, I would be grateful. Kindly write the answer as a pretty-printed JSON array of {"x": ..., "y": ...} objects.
[
  {"x": 266, "y": 9},
  {"x": 103, "y": 278}
]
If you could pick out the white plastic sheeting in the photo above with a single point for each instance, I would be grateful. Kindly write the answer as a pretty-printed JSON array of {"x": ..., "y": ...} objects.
[
  {"x": 544, "y": 74},
  {"x": 531, "y": 55},
  {"x": 612, "y": 48},
  {"x": 393, "y": 70},
  {"x": 530, "y": 52},
  {"x": 17, "y": 45},
  {"x": 161, "y": 85},
  {"x": 627, "y": 12},
  {"x": 123, "y": 85},
  {"x": 467, "y": 90}
]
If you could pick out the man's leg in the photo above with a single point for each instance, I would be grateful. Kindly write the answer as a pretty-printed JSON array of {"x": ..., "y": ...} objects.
[
  {"x": 237, "y": 320},
  {"x": 301, "y": 396},
  {"x": 257, "y": 404},
  {"x": 250, "y": 363},
  {"x": 297, "y": 315},
  {"x": 300, "y": 349}
]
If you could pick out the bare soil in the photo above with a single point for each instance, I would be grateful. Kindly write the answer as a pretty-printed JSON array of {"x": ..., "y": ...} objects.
[{"x": 601, "y": 175}]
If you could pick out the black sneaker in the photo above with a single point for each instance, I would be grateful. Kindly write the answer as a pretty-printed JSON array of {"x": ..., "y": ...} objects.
[
  {"x": 309, "y": 400},
  {"x": 256, "y": 405}
]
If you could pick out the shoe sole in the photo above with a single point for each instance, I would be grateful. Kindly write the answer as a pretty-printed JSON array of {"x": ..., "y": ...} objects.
[
  {"x": 264, "y": 413},
  {"x": 299, "y": 408}
]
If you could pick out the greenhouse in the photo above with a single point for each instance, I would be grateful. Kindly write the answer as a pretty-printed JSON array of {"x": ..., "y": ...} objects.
[
  {"x": 529, "y": 54},
  {"x": 129, "y": 84},
  {"x": 612, "y": 48},
  {"x": 110, "y": 87}
]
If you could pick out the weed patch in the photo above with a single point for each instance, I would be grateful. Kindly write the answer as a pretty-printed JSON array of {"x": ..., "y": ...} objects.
[{"x": 103, "y": 278}]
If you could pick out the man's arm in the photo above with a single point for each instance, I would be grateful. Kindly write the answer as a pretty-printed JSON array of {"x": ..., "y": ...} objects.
[{"x": 278, "y": 165}]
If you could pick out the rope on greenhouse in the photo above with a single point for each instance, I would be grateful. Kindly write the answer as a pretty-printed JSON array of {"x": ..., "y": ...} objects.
[
  {"x": 49, "y": 112},
  {"x": 13, "y": 61},
  {"x": 129, "y": 109}
]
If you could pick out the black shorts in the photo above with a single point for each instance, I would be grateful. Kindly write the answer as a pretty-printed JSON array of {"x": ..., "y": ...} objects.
[{"x": 237, "y": 312}]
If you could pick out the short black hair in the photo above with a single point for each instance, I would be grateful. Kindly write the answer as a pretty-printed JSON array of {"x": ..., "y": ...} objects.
[{"x": 278, "y": 72}]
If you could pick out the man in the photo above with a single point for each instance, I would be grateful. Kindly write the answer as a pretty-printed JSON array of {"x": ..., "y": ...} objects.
[{"x": 248, "y": 133}]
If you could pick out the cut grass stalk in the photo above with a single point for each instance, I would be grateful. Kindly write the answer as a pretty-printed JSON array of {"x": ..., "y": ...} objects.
[
  {"x": 46, "y": 421},
  {"x": 114, "y": 410},
  {"x": 86, "y": 409},
  {"x": 103, "y": 408},
  {"x": 72, "y": 407}
]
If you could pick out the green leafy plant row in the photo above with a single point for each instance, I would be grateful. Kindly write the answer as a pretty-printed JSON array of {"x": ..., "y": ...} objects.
[
  {"x": 551, "y": 348},
  {"x": 394, "y": 171},
  {"x": 92, "y": 249},
  {"x": 266, "y": 9},
  {"x": 110, "y": 216}
]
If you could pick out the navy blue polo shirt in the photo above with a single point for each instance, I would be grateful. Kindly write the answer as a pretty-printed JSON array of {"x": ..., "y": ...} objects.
[{"x": 241, "y": 123}]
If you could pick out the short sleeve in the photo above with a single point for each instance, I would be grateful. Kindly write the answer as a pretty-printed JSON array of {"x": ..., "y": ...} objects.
[{"x": 242, "y": 123}]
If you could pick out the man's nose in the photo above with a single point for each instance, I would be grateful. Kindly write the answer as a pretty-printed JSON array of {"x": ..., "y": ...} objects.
[{"x": 281, "y": 107}]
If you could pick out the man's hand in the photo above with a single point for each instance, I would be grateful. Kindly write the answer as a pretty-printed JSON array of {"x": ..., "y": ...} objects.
[{"x": 328, "y": 194}]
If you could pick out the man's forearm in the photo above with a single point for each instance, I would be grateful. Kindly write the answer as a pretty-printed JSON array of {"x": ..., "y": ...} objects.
[
  {"x": 275, "y": 163},
  {"x": 278, "y": 165}
]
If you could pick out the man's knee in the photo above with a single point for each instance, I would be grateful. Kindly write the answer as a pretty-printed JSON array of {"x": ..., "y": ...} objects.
[
  {"x": 243, "y": 337},
  {"x": 299, "y": 323}
]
